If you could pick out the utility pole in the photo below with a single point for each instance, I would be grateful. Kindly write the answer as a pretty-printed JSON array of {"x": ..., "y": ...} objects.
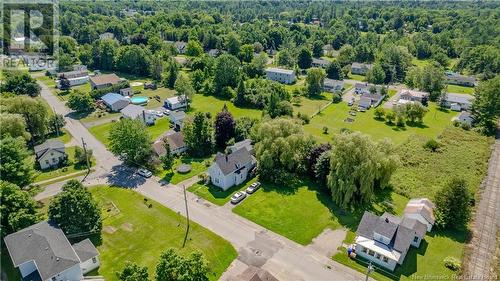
[
  {"x": 86, "y": 156},
  {"x": 57, "y": 123},
  {"x": 370, "y": 270},
  {"x": 187, "y": 216}
]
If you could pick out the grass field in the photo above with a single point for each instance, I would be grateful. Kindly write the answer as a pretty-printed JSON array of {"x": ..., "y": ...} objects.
[
  {"x": 301, "y": 211},
  {"x": 198, "y": 166},
  {"x": 333, "y": 118},
  {"x": 214, "y": 105},
  {"x": 215, "y": 194},
  {"x": 460, "y": 89},
  {"x": 463, "y": 153},
  {"x": 310, "y": 106},
  {"x": 140, "y": 234},
  {"x": 357, "y": 77},
  {"x": 72, "y": 168}
]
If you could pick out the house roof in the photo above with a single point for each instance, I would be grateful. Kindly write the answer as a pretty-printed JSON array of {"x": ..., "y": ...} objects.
[
  {"x": 459, "y": 98},
  {"x": 465, "y": 116},
  {"x": 132, "y": 111},
  {"x": 85, "y": 250},
  {"x": 73, "y": 74},
  {"x": 46, "y": 245},
  {"x": 413, "y": 93},
  {"x": 424, "y": 201},
  {"x": 178, "y": 114},
  {"x": 361, "y": 65},
  {"x": 460, "y": 77},
  {"x": 51, "y": 144},
  {"x": 253, "y": 273},
  {"x": 173, "y": 100},
  {"x": 419, "y": 228},
  {"x": 180, "y": 45},
  {"x": 421, "y": 209},
  {"x": 246, "y": 143},
  {"x": 320, "y": 61},
  {"x": 126, "y": 89},
  {"x": 112, "y": 98},
  {"x": 105, "y": 79},
  {"x": 175, "y": 140},
  {"x": 279, "y": 70},
  {"x": 230, "y": 163},
  {"x": 400, "y": 236},
  {"x": 333, "y": 83}
]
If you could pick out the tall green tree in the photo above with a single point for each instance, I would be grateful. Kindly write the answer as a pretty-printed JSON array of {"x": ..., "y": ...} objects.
[
  {"x": 376, "y": 74},
  {"x": 16, "y": 163},
  {"x": 317, "y": 49},
  {"x": 133, "y": 272},
  {"x": 429, "y": 78},
  {"x": 224, "y": 126},
  {"x": 80, "y": 101},
  {"x": 184, "y": 88},
  {"x": 19, "y": 83},
  {"x": 103, "y": 53},
  {"x": 334, "y": 71},
  {"x": 194, "y": 48},
  {"x": 453, "y": 207},
  {"x": 18, "y": 208},
  {"x": 357, "y": 166},
  {"x": 304, "y": 58},
  {"x": 130, "y": 139},
  {"x": 13, "y": 125},
  {"x": 33, "y": 110},
  {"x": 173, "y": 267},
  {"x": 133, "y": 59},
  {"x": 75, "y": 210},
  {"x": 486, "y": 105},
  {"x": 227, "y": 72},
  {"x": 171, "y": 75},
  {"x": 395, "y": 60},
  {"x": 233, "y": 44},
  {"x": 198, "y": 135},
  {"x": 314, "y": 81}
]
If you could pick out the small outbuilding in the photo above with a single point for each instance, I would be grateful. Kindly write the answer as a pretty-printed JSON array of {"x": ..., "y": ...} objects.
[
  {"x": 175, "y": 103},
  {"x": 114, "y": 101}
]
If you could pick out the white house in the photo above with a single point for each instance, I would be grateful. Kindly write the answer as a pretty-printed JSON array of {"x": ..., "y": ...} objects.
[
  {"x": 455, "y": 78},
  {"x": 106, "y": 35},
  {"x": 458, "y": 102},
  {"x": 360, "y": 68},
  {"x": 280, "y": 75},
  {"x": 50, "y": 153},
  {"x": 406, "y": 96},
  {"x": 175, "y": 141},
  {"x": 465, "y": 118},
  {"x": 75, "y": 78},
  {"x": 368, "y": 100},
  {"x": 177, "y": 118},
  {"x": 320, "y": 63},
  {"x": 231, "y": 169},
  {"x": 365, "y": 88},
  {"x": 332, "y": 85},
  {"x": 246, "y": 143},
  {"x": 175, "y": 103},
  {"x": 42, "y": 252},
  {"x": 421, "y": 209},
  {"x": 137, "y": 112},
  {"x": 115, "y": 101}
]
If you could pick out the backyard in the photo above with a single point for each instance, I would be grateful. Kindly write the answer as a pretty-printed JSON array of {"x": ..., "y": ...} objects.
[
  {"x": 206, "y": 103},
  {"x": 335, "y": 117},
  {"x": 198, "y": 166},
  {"x": 145, "y": 229}
]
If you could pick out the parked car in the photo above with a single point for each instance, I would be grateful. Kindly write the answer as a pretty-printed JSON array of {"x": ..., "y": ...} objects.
[
  {"x": 351, "y": 102},
  {"x": 145, "y": 173},
  {"x": 159, "y": 114},
  {"x": 166, "y": 111},
  {"x": 237, "y": 197},
  {"x": 252, "y": 188}
]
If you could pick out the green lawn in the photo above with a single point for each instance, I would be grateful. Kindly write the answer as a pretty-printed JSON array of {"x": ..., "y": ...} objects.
[
  {"x": 134, "y": 232},
  {"x": 427, "y": 260},
  {"x": 214, "y": 105},
  {"x": 71, "y": 168},
  {"x": 310, "y": 106},
  {"x": 101, "y": 132},
  {"x": 420, "y": 63},
  {"x": 357, "y": 77},
  {"x": 215, "y": 194},
  {"x": 333, "y": 118},
  {"x": 460, "y": 89},
  {"x": 198, "y": 166},
  {"x": 422, "y": 173}
]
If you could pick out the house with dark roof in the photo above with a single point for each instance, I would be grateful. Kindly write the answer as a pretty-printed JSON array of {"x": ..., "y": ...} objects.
[
  {"x": 104, "y": 81},
  {"x": 42, "y": 252},
  {"x": 368, "y": 100},
  {"x": 464, "y": 117},
  {"x": 332, "y": 85},
  {"x": 177, "y": 119},
  {"x": 362, "y": 88},
  {"x": 50, "y": 154},
  {"x": 175, "y": 141},
  {"x": 458, "y": 102},
  {"x": 406, "y": 96},
  {"x": 253, "y": 273},
  {"x": 231, "y": 169},
  {"x": 360, "y": 68},
  {"x": 75, "y": 77},
  {"x": 320, "y": 63},
  {"x": 114, "y": 101},
  {"x": 385, "y": 240},
  {"x": 137, "y": 112},
  {"x": 455, "y": 78}
]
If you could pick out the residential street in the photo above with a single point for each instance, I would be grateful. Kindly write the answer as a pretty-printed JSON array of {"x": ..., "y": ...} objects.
[{"x": 257, "y": 246}]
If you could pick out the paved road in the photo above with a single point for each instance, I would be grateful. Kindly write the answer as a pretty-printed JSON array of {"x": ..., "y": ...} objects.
[
  {"x": 486, "y": 223},
  {"x": 256, "y": 246}
]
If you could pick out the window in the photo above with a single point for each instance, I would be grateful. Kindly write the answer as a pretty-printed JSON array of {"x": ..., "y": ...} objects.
[
  {"x": 94, "y": 260},
  {"x": 377, "y": 255},
  {"x": 371, "y": 253},
  {"x": 364, "y": 250},
  {"x": 46, "y": 161},
  {"x": 415, "y": 239},
  {"x": 385, "y": 259}
]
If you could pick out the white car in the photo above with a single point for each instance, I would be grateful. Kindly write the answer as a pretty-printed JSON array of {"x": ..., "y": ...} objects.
[
  {"x": 237, "y": 197},
  {"x": 159, "y": 114},
  {"x": 252, "y": 188},
  {"x": 166, "y": 111},
  {"x": 145, "y": 173}
]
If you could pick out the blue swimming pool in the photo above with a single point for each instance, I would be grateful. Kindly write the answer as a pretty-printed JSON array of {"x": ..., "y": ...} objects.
[{"x": 139, "y": 100}]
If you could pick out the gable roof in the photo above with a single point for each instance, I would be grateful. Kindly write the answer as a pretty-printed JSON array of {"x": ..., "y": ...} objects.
[
  {"x": 73, "y": 74},
  {"x": 253, "y": 273},
  {"x": 279, "y": 70},
  {"x": 246, "y": 143},
  {"x": 459, "y": 98},
  {"x": 233, "y": 162},
  {"x": 112, "y": 98},
  {"x": 178, "y": 114},
  {"x": 320, "y": 61},
  {"x": 417, "y": 226},
  {"x": 132, "y": 111},
  {"x": 413, "y": 93},
  {"x": 361, "y": 65},
  {"x": 46, "y": 245},
  {"x": 175, "y": 140},
  {"x": 85, "y": 250},
  {"x": 51, "y": 144},
  {"x": 105, "y": 79},
  {"x": 333, "y": 83},
  {"x": 420, "y": 209}
]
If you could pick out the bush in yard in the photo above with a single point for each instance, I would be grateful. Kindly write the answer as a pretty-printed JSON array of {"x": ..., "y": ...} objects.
[
  {"x": 337, "y": 97},
  {"x": 325, "y": 130},
  {"x": 133, "y": 272},
  {"x": 379, "y": 113},
  {"x": 304, "y": 117},
  {"x": 452, "y": 263},
  {"x": 453, "y": 208},
  {"x": 432, "y": 145}
]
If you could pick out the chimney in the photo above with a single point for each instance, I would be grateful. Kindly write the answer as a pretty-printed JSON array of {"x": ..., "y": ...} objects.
[{"x": 387, "y": 220}]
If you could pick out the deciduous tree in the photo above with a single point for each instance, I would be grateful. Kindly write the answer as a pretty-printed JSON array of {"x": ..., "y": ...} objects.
[
  {"x": 224, "y": 126},
  {"x": 198, "y": 135},
  {"x": 453, "y": 204},
  {"x": 486, "y": 105},
  {"x": 133, "y": 272},
  {"x": 314, "y": 81},
  {"x": 130, "y": 139},
  {"x": 16, "y": 164},
  {"x": 80, "y": 101},
  {"x": 18, "y": 208},
  {"x": 173, "y": 267}
]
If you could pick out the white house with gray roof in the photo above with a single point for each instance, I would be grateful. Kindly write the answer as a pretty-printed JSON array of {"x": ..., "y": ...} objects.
[
  {"x": 50, "y": 153},
  {"x": 231, "y": 169},
  {"x": 458, "y": 102},
  {"x": 360, "y": 68},
  {"x": 385, "y": 240},
  {"x": 281, "y": 75},
  {"x": 42, "y": 252},
  {"x": 455, "y": 78},
  {"x": 137, "y": 112},
  {"x": 320, "y": 63}
]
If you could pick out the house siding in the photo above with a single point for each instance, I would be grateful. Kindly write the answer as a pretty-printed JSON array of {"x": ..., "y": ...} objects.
[
  {"x": 27, "y": 268},
  {"x": 420, "y": 219},
  {"x": 390, "y": 264},
  {"x": 280, "y": 77},
  {"x": 73, "y": 273},
  {"x": 51, "y": 159},
  {"x": 90, "y": 265}
]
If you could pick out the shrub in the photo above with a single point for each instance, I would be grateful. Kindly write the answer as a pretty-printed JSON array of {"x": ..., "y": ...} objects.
[
  {"x": 452, "y": 263},
  {"x": 325, "y": 130},
  {"x": 304, "y": 117},
  {"x": 432, "y": 145},
  {"x": 336, "y": 98}
]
